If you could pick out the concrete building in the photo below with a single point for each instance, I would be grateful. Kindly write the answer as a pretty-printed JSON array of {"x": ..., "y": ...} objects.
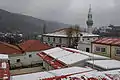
[
  {"x": 56, "y": 58},
  {"x": 4, "y": 67},
  {"x": 59, "y": 38},
  {"x": 24, "y": 54},
  {"x": 109, "y": 47},
  {"x": 84, "y": 43},
  {"x": 28, "y": 57}
]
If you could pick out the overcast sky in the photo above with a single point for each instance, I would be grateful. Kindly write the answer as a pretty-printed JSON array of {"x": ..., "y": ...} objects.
[{"x": 67, "y": 11}]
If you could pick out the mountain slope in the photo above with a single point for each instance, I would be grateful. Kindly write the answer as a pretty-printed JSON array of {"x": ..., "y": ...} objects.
[{"x": 11, "y": 22}]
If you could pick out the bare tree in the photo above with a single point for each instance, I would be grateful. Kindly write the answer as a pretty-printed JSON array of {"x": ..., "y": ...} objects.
[
  {"x": 69, "y": 33},
  {"x": 73, "y": 36}
]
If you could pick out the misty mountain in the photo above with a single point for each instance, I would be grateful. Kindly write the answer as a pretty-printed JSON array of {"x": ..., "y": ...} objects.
[{"x": 12, "y": 22}]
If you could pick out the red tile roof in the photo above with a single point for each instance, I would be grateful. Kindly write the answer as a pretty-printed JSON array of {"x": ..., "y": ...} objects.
[
  {"x": 108, "y": 41},
  {"x": 33, "y": 45},
  {"x": 6, "y": 48}
]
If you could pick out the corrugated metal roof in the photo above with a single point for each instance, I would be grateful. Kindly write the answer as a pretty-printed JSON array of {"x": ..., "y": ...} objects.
[
  {"x": 106, "y": 64},
  {"x": 108, "y": 41},
  {"x": 53, "y": 74},
  {"x": 60, "y": 57},
  {"x": 53, "y": 62}
]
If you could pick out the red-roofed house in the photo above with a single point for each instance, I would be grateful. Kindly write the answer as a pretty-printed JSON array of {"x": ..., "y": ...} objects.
[
  {"x": 24, "y": 54},
  {"x": 29, "y": 57},
  {"x": 109, "y": 47},
  {"x": 33, "y": 45},
  {"x": 11, "y": 50}
]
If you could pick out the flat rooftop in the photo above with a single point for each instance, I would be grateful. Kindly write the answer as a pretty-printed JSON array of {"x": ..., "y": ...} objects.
[{"x": 106, "y": 64}]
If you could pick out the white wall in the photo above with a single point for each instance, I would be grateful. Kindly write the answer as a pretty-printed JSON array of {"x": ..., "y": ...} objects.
[
  {"x": 56, "y": 42},
  {"x": 25, "y": 59},
  {"x": 86, "y": 43},
  {"x": 83, "y": 46}
]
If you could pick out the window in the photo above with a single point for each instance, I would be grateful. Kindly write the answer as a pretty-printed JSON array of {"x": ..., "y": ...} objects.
[
  {"x": 30, "y": 55},
  {"x": 118, "y": 51},
  {"x": 94, "y": 38},
  {"x": 88, "y": 39},
  {"x": 87, "y": 49},
  {"x": 58, "y": 45},
  {"x": 53, "y": 39},
  {"x": 83, "y": 39},
  {"x": 60, "y": 40},
  {"x": 48, "y": 38},
  {"x": 51, "y": 44},
  {"x": 18, "y": 60},
  {"x": 98, "y": 49},
  {"x": 102, "y": 49}
]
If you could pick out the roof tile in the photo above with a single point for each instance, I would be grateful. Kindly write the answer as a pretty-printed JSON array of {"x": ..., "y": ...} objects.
[{"x": 34, "y": 45}]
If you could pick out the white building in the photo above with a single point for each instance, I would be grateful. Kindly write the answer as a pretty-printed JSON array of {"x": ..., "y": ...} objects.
[
  {"x": 56, "y": 58},
  {"x": 60, "y": 38},
  {"x": 24, "y": 54},
  {"x": 29, "y": 56},
  {"x": 57, "y": 38},
  {"x": 84, "y": 43}
]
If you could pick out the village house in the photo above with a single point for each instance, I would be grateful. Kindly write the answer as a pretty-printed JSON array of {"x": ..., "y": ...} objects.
[
  {"x": 109, "y": 47},
  {"x": 10, "y": 50},
  {"x": 23, "y": 54},
  {"x": 56, "y": 58},
  {"x": 61, "y": 38}
]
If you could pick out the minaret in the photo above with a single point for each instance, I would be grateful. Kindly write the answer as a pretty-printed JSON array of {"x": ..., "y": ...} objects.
[{"x": 89, "y": 22}]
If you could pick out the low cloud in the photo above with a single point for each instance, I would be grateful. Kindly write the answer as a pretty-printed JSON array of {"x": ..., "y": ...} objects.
[{"x": 67, "y": 11}]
